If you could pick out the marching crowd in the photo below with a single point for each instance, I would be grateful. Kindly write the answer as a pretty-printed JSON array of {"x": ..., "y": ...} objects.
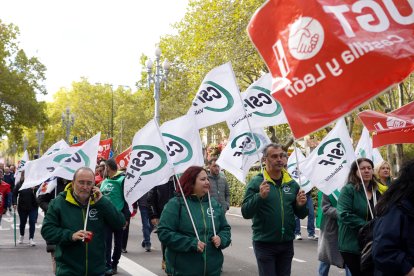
[{"x": 368, "y": 229}]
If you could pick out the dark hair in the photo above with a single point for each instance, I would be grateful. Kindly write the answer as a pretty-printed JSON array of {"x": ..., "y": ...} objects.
[
  {"x": 82, "y": 169},
  {"x": 212, "y": 160},
  {"x": 400, "y": 189},
  {"x": 111, "y": 163},
  {"x": 271, "y": 145},
  {"x": 188, "y": 179},
  {"x": 354, "y": 177}
]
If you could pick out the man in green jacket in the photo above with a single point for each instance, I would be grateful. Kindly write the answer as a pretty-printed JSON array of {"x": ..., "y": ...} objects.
[
  {"x": 64, "y": 223},
  {"x": 272, "y": 200}
]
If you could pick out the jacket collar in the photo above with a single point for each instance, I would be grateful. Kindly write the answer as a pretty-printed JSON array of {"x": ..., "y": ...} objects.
[{"x": 285, "y": 177}]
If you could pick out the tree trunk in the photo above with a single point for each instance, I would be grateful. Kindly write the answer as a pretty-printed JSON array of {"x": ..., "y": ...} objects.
[
  {"x": 273, "y": 136},
  {"x": 399, "y": 156}
]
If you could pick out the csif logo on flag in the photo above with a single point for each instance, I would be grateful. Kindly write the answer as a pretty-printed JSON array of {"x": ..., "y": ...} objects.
[
  {"x": 178, "y": 148},
  {"x": 213, "y": 92},
  {"x": 245, "y": 144},
  {"x": 145, "y": 157},
  {"x": 333, "y": 152},
  {"x": 21, "y": 165},
  {"x": 71, "y": 162},
  {"x": 295, "y": 173},
  {"x": 260, "y": 98}
]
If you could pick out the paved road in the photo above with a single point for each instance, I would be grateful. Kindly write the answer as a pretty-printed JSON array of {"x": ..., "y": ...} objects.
[{"x": 239, "y": 257}]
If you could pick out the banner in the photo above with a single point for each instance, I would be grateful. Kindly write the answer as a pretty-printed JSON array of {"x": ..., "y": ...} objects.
[
  {"x": 260, "y": 107},
  {"x": 297, "y": 175},
  {"x": 62, "y": 163},
  {"x": 104, "y": 148},
  {"x": 328, "y": 165},
  {"x": 217, "y": 97},
  {"x": 148, "y": 165},
  {"x": 404, "y": 135},
  {"x": 122, "y": 159},
  {"x": 378, "y": 121},
  {"x": 328, "y": 57},
  {"x": 240, "y": 153},
  {"x": 21, "y": 167},
  {"x": 406, "y": 112},
  {"x": 56, "y": 147},
  {"x": 183, "y": 143}
]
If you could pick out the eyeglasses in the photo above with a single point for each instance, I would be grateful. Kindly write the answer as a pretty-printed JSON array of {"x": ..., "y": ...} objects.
[
  {"x": 274, "y": 156},
  {"x": 85, "y": 183}
]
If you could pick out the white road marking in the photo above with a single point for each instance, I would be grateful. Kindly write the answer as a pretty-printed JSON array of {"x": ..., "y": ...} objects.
[{"x": 133, "y": 268}]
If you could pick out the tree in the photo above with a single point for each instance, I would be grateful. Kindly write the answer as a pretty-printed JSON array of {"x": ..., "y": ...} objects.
[{"x": 21, "y": 78}]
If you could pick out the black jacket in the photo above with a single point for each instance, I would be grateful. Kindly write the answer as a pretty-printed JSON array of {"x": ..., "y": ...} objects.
[
  {"x": 9, "y": 179},
  {"x": 158, "y": 197},
  {"x": 27, "y": 198},
  {"x": 393, "y": 243}
]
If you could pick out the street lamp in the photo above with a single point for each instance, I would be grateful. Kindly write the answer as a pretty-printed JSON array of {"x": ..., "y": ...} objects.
[
  {"x": 160, "y": 75},
  {"x": 25, "y": 142},
  {"x": 40, "y": 135},
  {"x": 67, "y": 121}
]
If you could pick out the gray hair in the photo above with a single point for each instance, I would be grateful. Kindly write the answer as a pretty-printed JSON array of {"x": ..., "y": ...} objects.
[
  {"x": 271, "y": 145},
  {"x": 83, "y": 169}
]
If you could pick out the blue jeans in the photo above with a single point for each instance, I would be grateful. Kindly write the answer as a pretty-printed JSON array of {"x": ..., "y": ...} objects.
[
  {"x": 274, "y": 259},
  {"x": 32, "y": 215},
  {"x": 146, "y": 225},
  {"x": 311, "y": 218},
  {"x": 9, "y": 200},
  {"x": 116, "y": 255},
  {"x": 324, "y": 269}
]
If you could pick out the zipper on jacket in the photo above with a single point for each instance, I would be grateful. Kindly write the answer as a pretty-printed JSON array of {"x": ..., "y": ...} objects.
[
  {"x": 205, "y": 237},
  {"x": 282, "y": 213}
]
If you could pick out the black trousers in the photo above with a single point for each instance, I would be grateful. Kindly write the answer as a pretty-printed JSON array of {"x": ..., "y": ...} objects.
[
  {"x": 274, "y": 259},
  {"x": 352, "y": 261}
]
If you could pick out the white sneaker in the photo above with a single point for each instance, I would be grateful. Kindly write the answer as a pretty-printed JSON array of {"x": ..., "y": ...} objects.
[
  {"x": 298, "y": 237},
  {"x": 313, "y": 237},
  {"x": 21, "y": 239},
  {"x": 31, "y": 242}
]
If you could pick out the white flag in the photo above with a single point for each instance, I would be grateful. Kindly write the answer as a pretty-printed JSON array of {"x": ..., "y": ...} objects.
[
  {"x": 260, "y": 107},
  {"x": 21, "y": 167},
  {"x": 148, "y": 164},
  {"x": 328, "y": 165},
  {"x": 56, "y": 147},
  {"x": 217, "y": 97},
  {"x": 364, "y": 148},
  {"x": 62, "y": 163},
  {"x": 183, "y": 143},
  {"x": 48, "y": 186},
  {"x": 297, "y": 175},
  {"x": 240, "y": 152}
]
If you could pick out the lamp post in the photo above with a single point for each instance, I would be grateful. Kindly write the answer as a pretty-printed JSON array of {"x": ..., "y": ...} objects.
[
  {"x": 25, "y": 142},
  {"x": 40, "y": 135},
  {"x": 67, "y": 121},
  {"x": 160, "y": 75}
]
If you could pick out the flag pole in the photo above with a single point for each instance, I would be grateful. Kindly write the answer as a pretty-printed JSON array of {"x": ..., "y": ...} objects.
[
  {"x": 178, "y": 180},
  {"x": 365, "y": 190},
  {"x": 212, "y": 214},
  {"x": 297, "y": 164},
  {"x": 248, "y": 121},
  {"x": 86, "y": 218},
  {"x": 14, "y": 224}
]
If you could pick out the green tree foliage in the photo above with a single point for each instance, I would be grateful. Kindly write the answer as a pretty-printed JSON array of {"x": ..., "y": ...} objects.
[{"x": 21, "y": 78}]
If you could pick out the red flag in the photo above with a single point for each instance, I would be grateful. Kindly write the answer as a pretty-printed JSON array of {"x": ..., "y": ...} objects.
[
  {"x": 378, "y": 121},
  {"x": 336, "y": 55},
  {"x": 104, "y": 148},
  {"x": 123, "y": 158},
  {"x": 406, "y": 111},
  {"x": 403, "y": 135}
]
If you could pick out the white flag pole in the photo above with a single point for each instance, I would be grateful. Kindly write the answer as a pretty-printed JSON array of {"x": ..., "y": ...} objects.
[
  {"x": 212, "y": 214},
  {"x": 178, "y": 180},
  {"x": 248, "y": 121},
  {"x": 297, "y": 164},
  {"x": 86, "y": 217}
]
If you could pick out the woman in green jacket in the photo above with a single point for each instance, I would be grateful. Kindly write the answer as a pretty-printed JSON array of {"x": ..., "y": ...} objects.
[
  {"x": 353, "y": 211},
  {"x": 185, "y": 254}
]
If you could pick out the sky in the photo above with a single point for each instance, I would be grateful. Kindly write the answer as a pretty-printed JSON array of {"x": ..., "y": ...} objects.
[{"x": 98, "y": 39}]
